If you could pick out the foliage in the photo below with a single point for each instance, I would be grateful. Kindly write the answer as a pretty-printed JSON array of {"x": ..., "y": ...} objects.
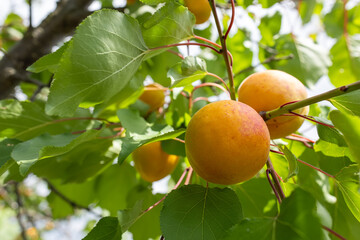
[{"x": 76, "y": 139}]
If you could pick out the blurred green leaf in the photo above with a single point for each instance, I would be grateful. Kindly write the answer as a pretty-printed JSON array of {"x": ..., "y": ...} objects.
[
  {"x": 292, "y": 160},
  {"x": 349, "y": 127},
  {"x": 345, "y": 55},
  {"x": 6, "y": 147},
  {"x": 306, "y": 10},
  {"x": 195, "y": 212},
  {"x": 107, "y": 228},
  {"x": 113, "y": 186}
]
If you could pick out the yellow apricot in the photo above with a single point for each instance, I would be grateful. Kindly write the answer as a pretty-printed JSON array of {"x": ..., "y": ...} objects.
[
  {"x": 200, "y": 8},
  {"x": 227, "y": 142},
  {"x": 153, "y": 96},
  {"x": 152, "y": 162},
  {"x": 268, "y": 90}
]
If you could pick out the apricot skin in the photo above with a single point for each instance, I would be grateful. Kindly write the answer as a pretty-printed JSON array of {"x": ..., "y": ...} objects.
[
  {"x": 227, "y": 142},
  {"x": 200, "y": 8},
  {"x": 153, "y": 163},
  {"x": 153, "y": 96},
  {"x": 268, "y": 90}
]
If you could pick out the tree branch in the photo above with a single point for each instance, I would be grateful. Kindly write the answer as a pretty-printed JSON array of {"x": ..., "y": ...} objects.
[{"x": 39, "y": 41}]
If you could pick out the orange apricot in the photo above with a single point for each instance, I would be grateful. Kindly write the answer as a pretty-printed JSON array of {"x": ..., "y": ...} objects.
[
  {"x": 153, "y": 96},
  {"x": 200, "y": 8},
  {"x": 227, "y": 142},
  {"x": 152, "y": 162},
  {"x": 270, "y": 89}
]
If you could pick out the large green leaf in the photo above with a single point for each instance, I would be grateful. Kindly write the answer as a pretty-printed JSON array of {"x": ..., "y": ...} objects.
[
  {"x": 172, "y": 23},
  {"x": 25, "y": 120},
  {"x": 349, "y": 102},
  {"x": 348, "y": 182},
  {"x": 297, "y": 221},
  {"x": 45, "y": 146},
  {"x": 6, "y": 147},
  {"x": 310, "y": 60},
  {"x": 345, "y": 55},
  {"x": 349, "y": 126},
  {"x": 102, "y": 57},
  {"x": 107, "y": 228},
  {"x": 195, "y": 212}
]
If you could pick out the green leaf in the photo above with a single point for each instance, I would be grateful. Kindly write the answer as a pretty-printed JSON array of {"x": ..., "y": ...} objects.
[
  {"x": 331, "y": 149},
  {"x": 79, "y": 164},
  {"x": 48, "y": 62},
  {"x": 349, "y": 102},
  {"x": 128, "y": 217},
  {"x": 310, "y": 60},
  {"x": 292, "y": 160},
  {"x": 6, "y": 147},
  {"x": 26, "y": 120},
  {"x": 195, "y": 212},
  {"x": 333, "y": 21},
  {"x": 154, "y": 2},
  {"x": 348, "y": 182},
  {"x": 172, "y": 23},
  {"x": 269, "y": 27},
  {"x": 297, "y": 220},
  {"x": 147, "y": 226},
  {"x": 101, "y": 59},
  {"x": 345, "y": 55},
  {"x": 107, "y": 228},
  {"x": 113, "y": 185},
  {"x": 140, "y": 132},
  {"x": 190, "y": 70},
  {"x": 254, "y": 196},
  {"x": 45, "y": 146},
  {"x": 242, "y": 53},
  {"x": 331, "y": 135},
  {"x": 306, "y": 10},
  {"x": 349, "y": 127}
]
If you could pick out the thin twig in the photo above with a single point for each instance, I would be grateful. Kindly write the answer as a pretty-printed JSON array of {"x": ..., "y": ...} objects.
[
  {"x": 272, "y": 185},
  {"x": 333, "y": 232},
  {"x": 18, "y": 214},
  {"x": 275, "y": 178},
  {"x": 189, "y": 176}
]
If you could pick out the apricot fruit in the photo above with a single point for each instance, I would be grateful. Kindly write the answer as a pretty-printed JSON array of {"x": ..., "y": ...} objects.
[
  {"x": 153, "y": 96},
  {"x": 268, "y": 90},
  {"x": 152, "y": 162},
  {"x": 200, "y": 8},
  {"x": 227, "y": 142}
]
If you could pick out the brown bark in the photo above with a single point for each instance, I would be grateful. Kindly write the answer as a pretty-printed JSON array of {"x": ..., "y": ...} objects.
[{"x": 39, "y": 41}]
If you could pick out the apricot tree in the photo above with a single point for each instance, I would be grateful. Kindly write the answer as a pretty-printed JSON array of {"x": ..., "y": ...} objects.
[{"x": 148, "y": 91}]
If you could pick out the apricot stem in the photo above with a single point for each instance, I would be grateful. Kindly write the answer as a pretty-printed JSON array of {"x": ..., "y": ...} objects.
[
  {"x": 272, "y": 185},
  {"x": 275, "y": 179},
  {"x": 224, "y": 51},
  {"x": 232, "y": 19},
  {"x": 287, "y": 108}
]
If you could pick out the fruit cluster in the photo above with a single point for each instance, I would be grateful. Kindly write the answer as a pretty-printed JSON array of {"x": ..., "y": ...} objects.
[{"x": 228, "y": 142}]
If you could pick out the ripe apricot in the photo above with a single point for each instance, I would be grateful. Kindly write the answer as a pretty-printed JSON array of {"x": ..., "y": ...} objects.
[
  {"x": 227, "y": 142},
  {"x": 152, "y": 162},
  {"x": 200, "y": 8},
  {"x": 268, "y": 90},
  {"x": 153, "y": 96}
]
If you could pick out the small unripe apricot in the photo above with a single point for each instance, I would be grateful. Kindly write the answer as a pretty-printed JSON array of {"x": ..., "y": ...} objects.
[
  {"x": 153, "y": 96},
  {"x": 268, "y": 90},
  {"x": 200, "y": 8},
  {"x": 227, "y": 142},
  {"x": 153, "y": 163}
]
